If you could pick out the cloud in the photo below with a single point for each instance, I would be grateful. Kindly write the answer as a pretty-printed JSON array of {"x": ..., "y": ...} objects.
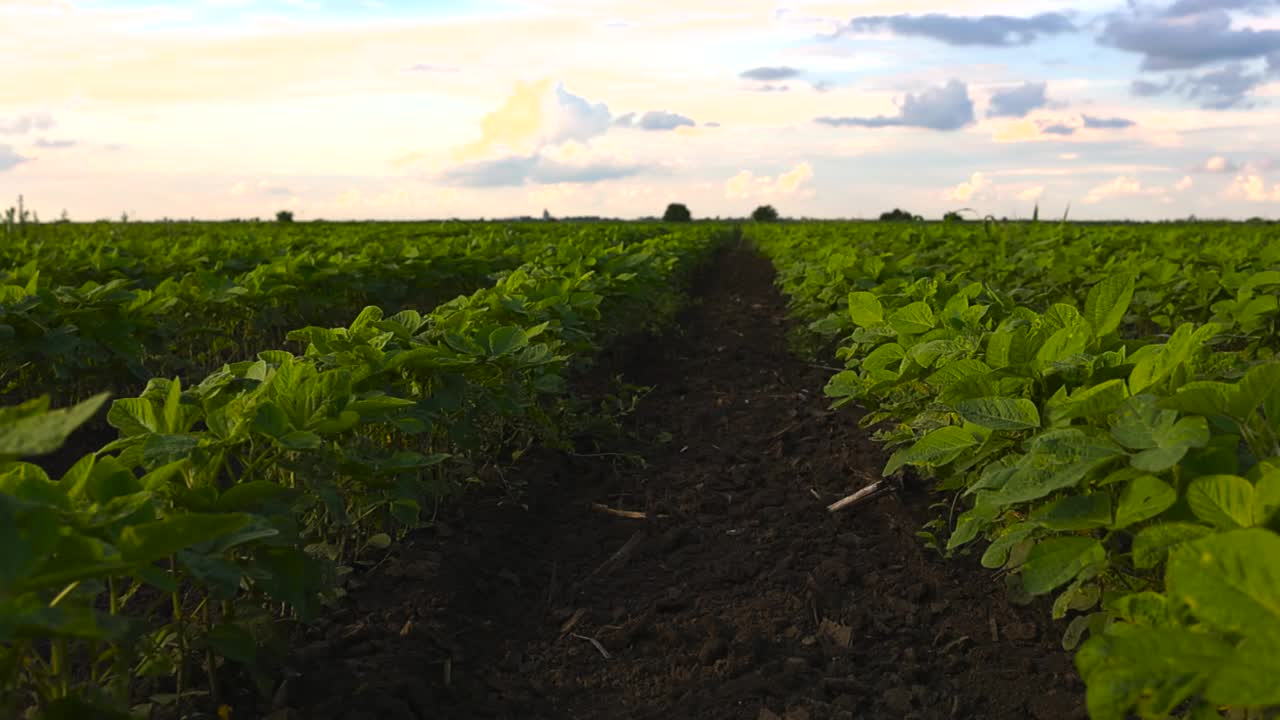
[
  {"x": 711, "y": 124},
  {"x": 770, "y": 88},
  {"x": 535, "y": 115},
  {"x": 1254, "y": 189},
  {"x": 655, "y": 120},
  {"x": 1217, "y": 164},
  {"x": 977, "y": 184},
  {"x": 568, "y": 163},
  {"x": 1032, "y": 194},
  {"x": 1058, "y": 129},
  {"x": 1112, "y": 123},
  {"x": 1119, "y": 187},
  {"x": 1186, "y": 41},
  {"x": 55, "y": 144},
  {"x": 433, "y": 68},
  {"x": 1224, "y": 88},
  {"x": 992, "y": 30},
  {"x": 1018, "y": 101},
  {"x": 262, "y": 187},
  {"x": 790, "y": 181},
  {"x": 1186, "y": 8},
  {"x": 24, "y": 124},
  {"x": 1184, "y": 184},
  {"x": 769, "y": 74},
  {"x": 9, "y": 158},
  {"x": 948, "y": 107},
  {"x": 745, "y": 184}
]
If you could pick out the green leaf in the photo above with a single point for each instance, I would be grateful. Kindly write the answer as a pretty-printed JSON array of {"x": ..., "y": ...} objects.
[
  {"x": 1107, "y": 302},
  {"x": 1202, "y": 398},
  {"x": 936, "y": 448},
  {"x": 865, "y": 309},
  {"x": 1224, "y": 501},
  {"x": 1151, "y": 545},
  {"x": 133, "y": 416},
  {"x": 1143, "y": 498},
  {"x": 997, "y": 553},
  {"x": 1062, "y": 345},
  {"x": 1093, "y": 401},
  {"x": 506, "y": 340},
  {"x": 913, "y": 319},
  {"x": 1231, "y": 581},
  {"x": 45, "y": 432},
  {"x": 155, "y": 540},
  {"x": 1266, "y": 494},
  {"x": 1000, "y": 413},
  {"x": 1154, "y": 668},
  {"x": 1075, "y": 512},
  {"x": 1057, "y": 561}
]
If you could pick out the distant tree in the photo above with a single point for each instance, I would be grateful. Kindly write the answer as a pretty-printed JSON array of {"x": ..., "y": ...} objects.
[
  {"x": 677, "y": 212},
  {"x": 284, "y": 216},
  {"x": 897, "y": 215},
  {"x": 952, "y": 217},
  {"x": 765, "y": 213},
  {"x": 546, "y": 215}
]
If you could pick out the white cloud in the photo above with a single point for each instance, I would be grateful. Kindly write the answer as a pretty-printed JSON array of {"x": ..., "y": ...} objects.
[
  {"x": 978, "y": 184},
  {"x": 1032, "y": 194},
  {"x": 1119, "y": 187},
  {"x": 1184, "y": 184},
  {"x": 1254, "y": 189},
  {"x": 746, "y": 184}
]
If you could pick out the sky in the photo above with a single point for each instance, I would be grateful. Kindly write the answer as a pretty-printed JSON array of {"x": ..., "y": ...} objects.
[{"x": 391, "y": 109}]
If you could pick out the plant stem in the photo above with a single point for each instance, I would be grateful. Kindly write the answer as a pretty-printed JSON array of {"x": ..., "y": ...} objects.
[{"x": 178, "y": 630}]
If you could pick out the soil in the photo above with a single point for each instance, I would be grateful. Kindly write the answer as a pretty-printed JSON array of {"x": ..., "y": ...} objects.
[{"x": 737, "y": 595}]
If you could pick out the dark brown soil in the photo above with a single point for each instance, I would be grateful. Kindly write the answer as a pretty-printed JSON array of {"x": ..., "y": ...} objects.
[{"x": 738, "y": 597}]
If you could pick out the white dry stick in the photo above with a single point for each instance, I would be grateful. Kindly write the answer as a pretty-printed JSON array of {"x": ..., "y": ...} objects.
[
  {"x": 593, "y": 641},
  {"x": 857, "y": 497}
]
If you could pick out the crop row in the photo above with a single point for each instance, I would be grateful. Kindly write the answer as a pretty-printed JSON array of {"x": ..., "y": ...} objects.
[
  {"x": 85, "y": 312},
  {"x": 159, "y": 564},
  {"x": 1132, "y": 475}
]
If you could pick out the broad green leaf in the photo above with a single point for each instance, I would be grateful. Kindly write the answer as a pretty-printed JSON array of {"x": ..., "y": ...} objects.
[
  {"x": 134, "y": 416},
  {"x": 152, "y": 541},
  {"x": 1107, "y": 302},
  {"x": 865, "y": 309},
  {"x": 997, "y": 553},
  {"x": 506, "y": 340},
  {"x": 1000, "y": 413},
  {"x": 1231, "y": 581},
  {"x": 1248, "y": 677},
  {"x": 1224, "y": 501},
  {"x": 1093, "y": 401},
  {"x": 1143, "y": 498},
  {"x": 1138, "y": 422},
  {"x": 1202, "y": 398},
  {"x": 913, "y": 319},
  {"x": 951, "y": 373},
  {"x": 45, "y": 432},
  {"x": 1255, "y": 388},
  {"x": 1063, "y": 344},
  {"x": 1152, "y": 544},
  {"x": 1056, "y": 459},
  {"x": 936, "y": 448},
  {"x": 1056, "y": 561},
  {"x": 1266, "y": 494},
  {"x": 1075, "y": 512},
  {"x": 1153, "y": 668}
]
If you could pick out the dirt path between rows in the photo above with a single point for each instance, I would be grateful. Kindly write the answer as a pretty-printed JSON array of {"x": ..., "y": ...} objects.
[{"x": 738, "y": 597}]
